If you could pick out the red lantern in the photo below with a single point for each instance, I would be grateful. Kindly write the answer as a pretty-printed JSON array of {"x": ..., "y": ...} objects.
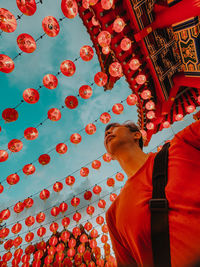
[
  {"x": 140, "y": 79},
  {"x": 104, "y": 38},
  {"x": 115, "y": 69},
  {"x": 125, "y": 44},
  {"x": 100, "y": 220},
  {"x": 61, "y": 148},
  {"x": 71, "y": 252},
  {"x": 51, "y": 251},
  {"x": 4, "y": 232},
  {"x": 51, "y": 26},
  {"x": 36, "y": 263},
  {"x": 28, "y": 169},
  {"x": 9, "y": 114},
  {"x": 85, "y": 91},
  {"x": 105, "y": 117},
  {"x": 27, "y": 7},
  {"x": 40, "y": 217},
  {"x": 88, "y": 226},
  {"x": 132, "y": 100},
  {"x": 83, "y": 238},
  {"x": 48, "y": 260},
  {"x": 63, "y": 207},
  {"x": 18, "y": 253},
  {"x": 110, "y": 182},
  {"x": 93, "y": 2},
  {"x": 90, "y": 129},
  {"x": 60, "y": 247},
  {"x": 76, "y": 231},
  {"x": 65, "y": 222},
  {"x": 95, "y": 21},
  {"x": 29, "y": 237},
  {"x": 41, "y": 245},
  {"x": 150, "y": 126},
  {"x": 54, "y": 114},
  {"x": 13, "y": 179},
  {"x": 38, "y": 255},
  {"x": 81, "y": 248},
  {"x": 30, "y": 249},
  {"x": 86, "y": 4},
  {"x": 96, "y": 164},
  {"x": 84, "y": 172},
  {"x": 3, "y": 157},
  {"x": 93, "y": 244},
  {"x": 87, "y": 256},
  {"x": 71, "y": 102},
  {"x": 76, "y": 217},
  {"x": 166, "y": 124},
  {"x": 75, "y": 138},
  {"x": 4, "y": 214},
  {"x": 106, "y": 157},
  {"x": 16, "y": 228},
  {"x": 28, "y": 202},
  {"x": 102, "y": 204},
  {"x": 150, "y": 105},
  {"x": 55, "y": 211},
  {"x": 104, "y": 238},
  {"x": 119, "y": 177},
  {"x": 90, "y": 210},
  {"x": 65, "y": 236},
  {"x": 97, "y": 189},
  {"x": 146, "y": 94},
  {"x": 104, "y": 228},
  {"x": 86, "y": 53},
  {"x": 8, "y": 22},
  {"x": 31, "y": 133},
  {"x": 72, "y": 243},
  {"x": 44, "y": 159},
  {"x": 6, "y": 64},
  {"x": 190, "y": 108},
  {"x": 113, "y": 196},
  {"x": 19, "y": 207},
  {"x": 75, "y": 201},
  {"x": 118, "y": 25},
  {"x": 106, "y": 4},
  {"x": 70, "y": 180},
  {"x": 7, "y": 256},
  {"x": 78, "y": 260},
  {"x": 26, "y": 258},
  {"x": 100, "y": 262},
  {"x": 26, "y": 43},
  {"x": 57, "y": 187},
  {"x": 53, "y": 241},
  {"x": 31, "y": 96},
  {"x": 53, "y": 227},
  {"x": 30, "y": 221},
  {"x": 151, "y": 115},
  {"x": 15, "y": 145},
  {"x": 68, "y": 68},
  {"x": 50, "y": 81},
  {"x": 117, "y": 108},
  {"x": 106, "y": 50},
  {"x": 88, "y": 195},
  {"x": 100, "y": 78},
  {"x": 179, "y": 117},
  {"x": 1, "y": 187},
  {"x": 69, "y": 8},
  {"x": 41, "y": 231},
  {"x": 17, "y": 241},
  {"x": 44, "y": 194},
  {"x": 134, "y": 64}
]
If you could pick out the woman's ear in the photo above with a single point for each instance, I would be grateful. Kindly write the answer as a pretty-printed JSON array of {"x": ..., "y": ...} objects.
[{"x": 137, "y": 135}]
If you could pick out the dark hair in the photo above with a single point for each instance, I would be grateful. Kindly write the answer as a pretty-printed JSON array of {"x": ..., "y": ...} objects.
[{"x": 129, "y": 124}]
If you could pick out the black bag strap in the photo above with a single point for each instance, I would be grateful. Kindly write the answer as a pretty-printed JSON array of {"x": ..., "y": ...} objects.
[{"x": 159, "y": 211}]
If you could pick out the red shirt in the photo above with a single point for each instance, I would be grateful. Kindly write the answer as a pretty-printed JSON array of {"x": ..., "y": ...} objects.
[{"x": 128, "y": 217}]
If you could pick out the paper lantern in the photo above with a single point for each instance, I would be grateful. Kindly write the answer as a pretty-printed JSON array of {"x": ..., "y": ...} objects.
[
  {"x": 4, "y": 232},
  {"x": 15, "y": 261},
  {"x": 28, "y": 169},
  {"x": 75, "y": 138},
  {"x": 16, "y": 228},
  {"x": 106, "y": 50},
  {"x": 41, "y": 231},
  {"x": 86, "y": 53},
  {"x": 150, "y": 105},
  {"x": 90, "y": 129},
  {"x": 166, "y": 124},
  {"x": 118, "y": 25},
  {"x": 119, "y": 177},
  {"x": 26, "y": 43},
  {"x": 93, "y": 244},
  {"x": 53, "y": 227},
  {"x": 9, "y": 114},
  {"x": 86, "y": 4},
  {"x": 110, "y": 182},
  {"x": 106, "y": 4},
  {"x": 146, "y": 94},
  {"x": 81, "y": 248},
  {"x": 104, "y": 38},
  {"x": 78, "y": 260},
  {"x": 25, "y": 258},
  {"x": 84, "y": 172},
  {"x": 31, "y": 96},
  {"x": 40, "y": 217},
  {"x": 179, "y": 117},
  {"x": 150, "y": 115},
  {"x": 7, "y": 256},
  {"x": 88, "y": 195},
  {"x": 18, "y": 253},
  {"x": 60, "y": 247},
  {"x": 55, "y": 211},
  {"x": 53, "y": 241},
  {"x": 51, "y": 26},
  {"x": 95, "y": 21},
  {"x": 96, "y": 164},
  {"x": 190, "y": 108},
  {"x": 68, "y": 68},
  {"x": 100, "y": 78},
  {"x": 44, "y": 194},
  {"x": 29, "y": 237},
  {"x": 61, "y": 148},
  {"x": 8, "y": 22},
  {"x": 100, "y": 220},
  {"x": 1, "y": 187},
  {"x": 97, "y": 189},
  {"x": 94, "y": 233},
  {"x": 6, "y": 64},
  {"x": 30, "y": 221},
  {"x": 87, "y": 256},
  {"x": 125, "y": 44},
  {"x": 44, "y": 159},
  {"x": 71, "y": 252},
  {"x": 65, "y": 222},
  {"x": 15, "y": 145},
  {"x": 27, "y": 7},
  {"x": 38, "y": 255},
  {"x": 31, "y": 133},
  {"x": 106, "y": 157},
  {"x": 132, "y": 100},
  {"x": 102, "y": 204},
  {"x": 88, "y": 226},
  {"x": 76, "y": 217},
  {"x": 150, "y": 126},
  {"x": 54, "y": 114},
  {"x": 115, "y": 69},
  {"x": 134, "y": 64},
  {"x": 19, "y": 207},
  {"x": 17, "y": 241},
  {"x": 90, "y": 210},
  {"x": 85, "y": 91},
  {"x": 104, "y": 228},
  {"x": 63, "y": 207},
  {"x": 50, "y": 81},
  {"x": 48, "y": 260},
  {"x": 28, "y": 202},
  {"x": 13, "y": 179},
  {"x": 69, "y": 8},
  {"x": 117, "y": 108},
  {"x": 51, "y": 251},
  {"x": 3, "y": 156},
  {"x": 76, "y": 231},
  {"x": 70, "y": 180},
  {"x": 4, "y": 214},
  {"x": 71, "y": 102},
  {"x": 113, "y": 196},
  {"x": 75, "y": 201},
  {"x": 41, "y": 245},
  {"x": 140, "y": 79}
]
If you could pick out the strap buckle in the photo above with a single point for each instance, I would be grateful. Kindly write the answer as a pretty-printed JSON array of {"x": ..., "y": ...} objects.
[{"x": 158, "y": 205}]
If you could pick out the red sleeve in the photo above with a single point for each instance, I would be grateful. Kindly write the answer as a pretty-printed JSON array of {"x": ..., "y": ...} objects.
[
  {"x": 191, "y": 135},
  {"x": 122, "y": 254}
]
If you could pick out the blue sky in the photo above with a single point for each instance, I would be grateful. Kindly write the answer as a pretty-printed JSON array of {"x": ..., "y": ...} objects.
[{"x": 28, "y": 73}]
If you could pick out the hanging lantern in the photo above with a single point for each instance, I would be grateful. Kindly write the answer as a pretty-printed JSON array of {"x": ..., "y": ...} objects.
[
  {"x": 146, "y": 94},
  {"x": 117, "y": 108},
  {"x": 53, "y": 241},
  {"x": 115, "y": 69},
  {"x": 19, "y": 207},
  {"x": 44, "y": 159},
  {"x": 87, "y": 257},
  {"x": 150, "y": 105},
  {"x": 18, "y": 253},
  {"x": 17, "y": 241},
  {"x": 71, "y": 102},
  {"x": 86, "y": 4},
  {"x": 13, "y": 179},
  {"x": 55, "y": 211},
  {"x": 9, "y": 114},
  {"x": 41, "y": 245},
  {"x": 118, "y": 25},
  {"x": 76, "y": 231},
  {"x": 7, "y": 256},
  {"x": 40, "y": 217},
  {"x": 100, "y": 220},
  {"x": 84, "y": 172},
  {"x": 150, "y": 126},
  {"x": 50, "y": 81},
  {"x": 29, "y": 237},
  {"x": 30, "y": 221},
  {"x": 57, "y": 187},
  {"x": 93, "y": 244},
  {"x": 100, "y": 262},
  {"x": 68, "y": 68},
  {"x": 94, "y": 233},
  {"x": 78, "y": 260},
  {"x": 190, "y": 108},
  {"x": 75, "y": 201},
  {"x": 38, "y": 255},
  {"x": 31, "y": 133},
  {"x": 106, "y": 50},
  {"x": 88, "y": 195},
  {"x": 69, "y": 8},
  {"x": 8, "y": 22},
  {"x": 3, "y": 157},
  {"x": 16, "y": 228},
  {"x": 6, "y": 64},
  {"x": 102, "y": 204},
  {"x": 96, "y": 164},
  {"x": 71, "y": 252},
  {"x": 48, "y": 260},
  {"x": 4, "y": 214},
  {"x": 105, "y": 228},
  {"x": 106, "y": 157},
  {"x": 151, "y": 115},
  {"x": 88, "y": 226},
  {"x": 54, "y": 114},
  {"x": 166, "y": 124},
  {"x": 119, "y": 177},
  {"x": 90, "y": 210},
  {"x": 25, "y": 258},
  {"x": 100, "y": 78},
  {"x": 15, "y": 145},
  {"x": 65, "y": 222},
  {"x": 76, "y": 217},
  {"x": 90, "y": 129},
  {"x": 95, "y": 21},
  {"x": 113, "y": 196},
  {"x": 1, "y": 186},
  {"x": 44, "y": 194},
  {"x": 53, "y": 227},
  {"x": 104, "y": 38},
  {"x": 51, "y": 26},
  {"x": 65, "y": 236},
  {"x": 134, "y": 64},
  {"x": 60, "y": 247},
  {"x": 27, "y": 7},
  {"x": 75, "y": 138},
  {"x": 28, "y": 203},
  {"x": 179, "y": 117},
  {"x": 110, "y": 182},
  {"x": 30, "y": 249},
  {"x": 26, "y": 43},
  {"x": 31, "y": 96},
  {"x": 70, "y": 180},
  {"x": 97, "y": 189},
  {"x": 85, "y": 91},
  {"x": 4, "y": 232},
  {"x": 61, "y": 148},
  {"x": 106, "y": 4},
  {"x": 81, "y": 248},
  {"x": 86, "y": 53},
  {"x": 132, "y": 100},
  {"x": 141, "y": 79},
  {"x": 28, "y": 169},
  {"x": 125, "y": 44},
  {"x": 63, "y": 207}
]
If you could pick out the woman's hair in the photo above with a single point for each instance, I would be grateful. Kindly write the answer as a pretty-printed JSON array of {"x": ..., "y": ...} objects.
[{"x": 129, "y": 124}]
